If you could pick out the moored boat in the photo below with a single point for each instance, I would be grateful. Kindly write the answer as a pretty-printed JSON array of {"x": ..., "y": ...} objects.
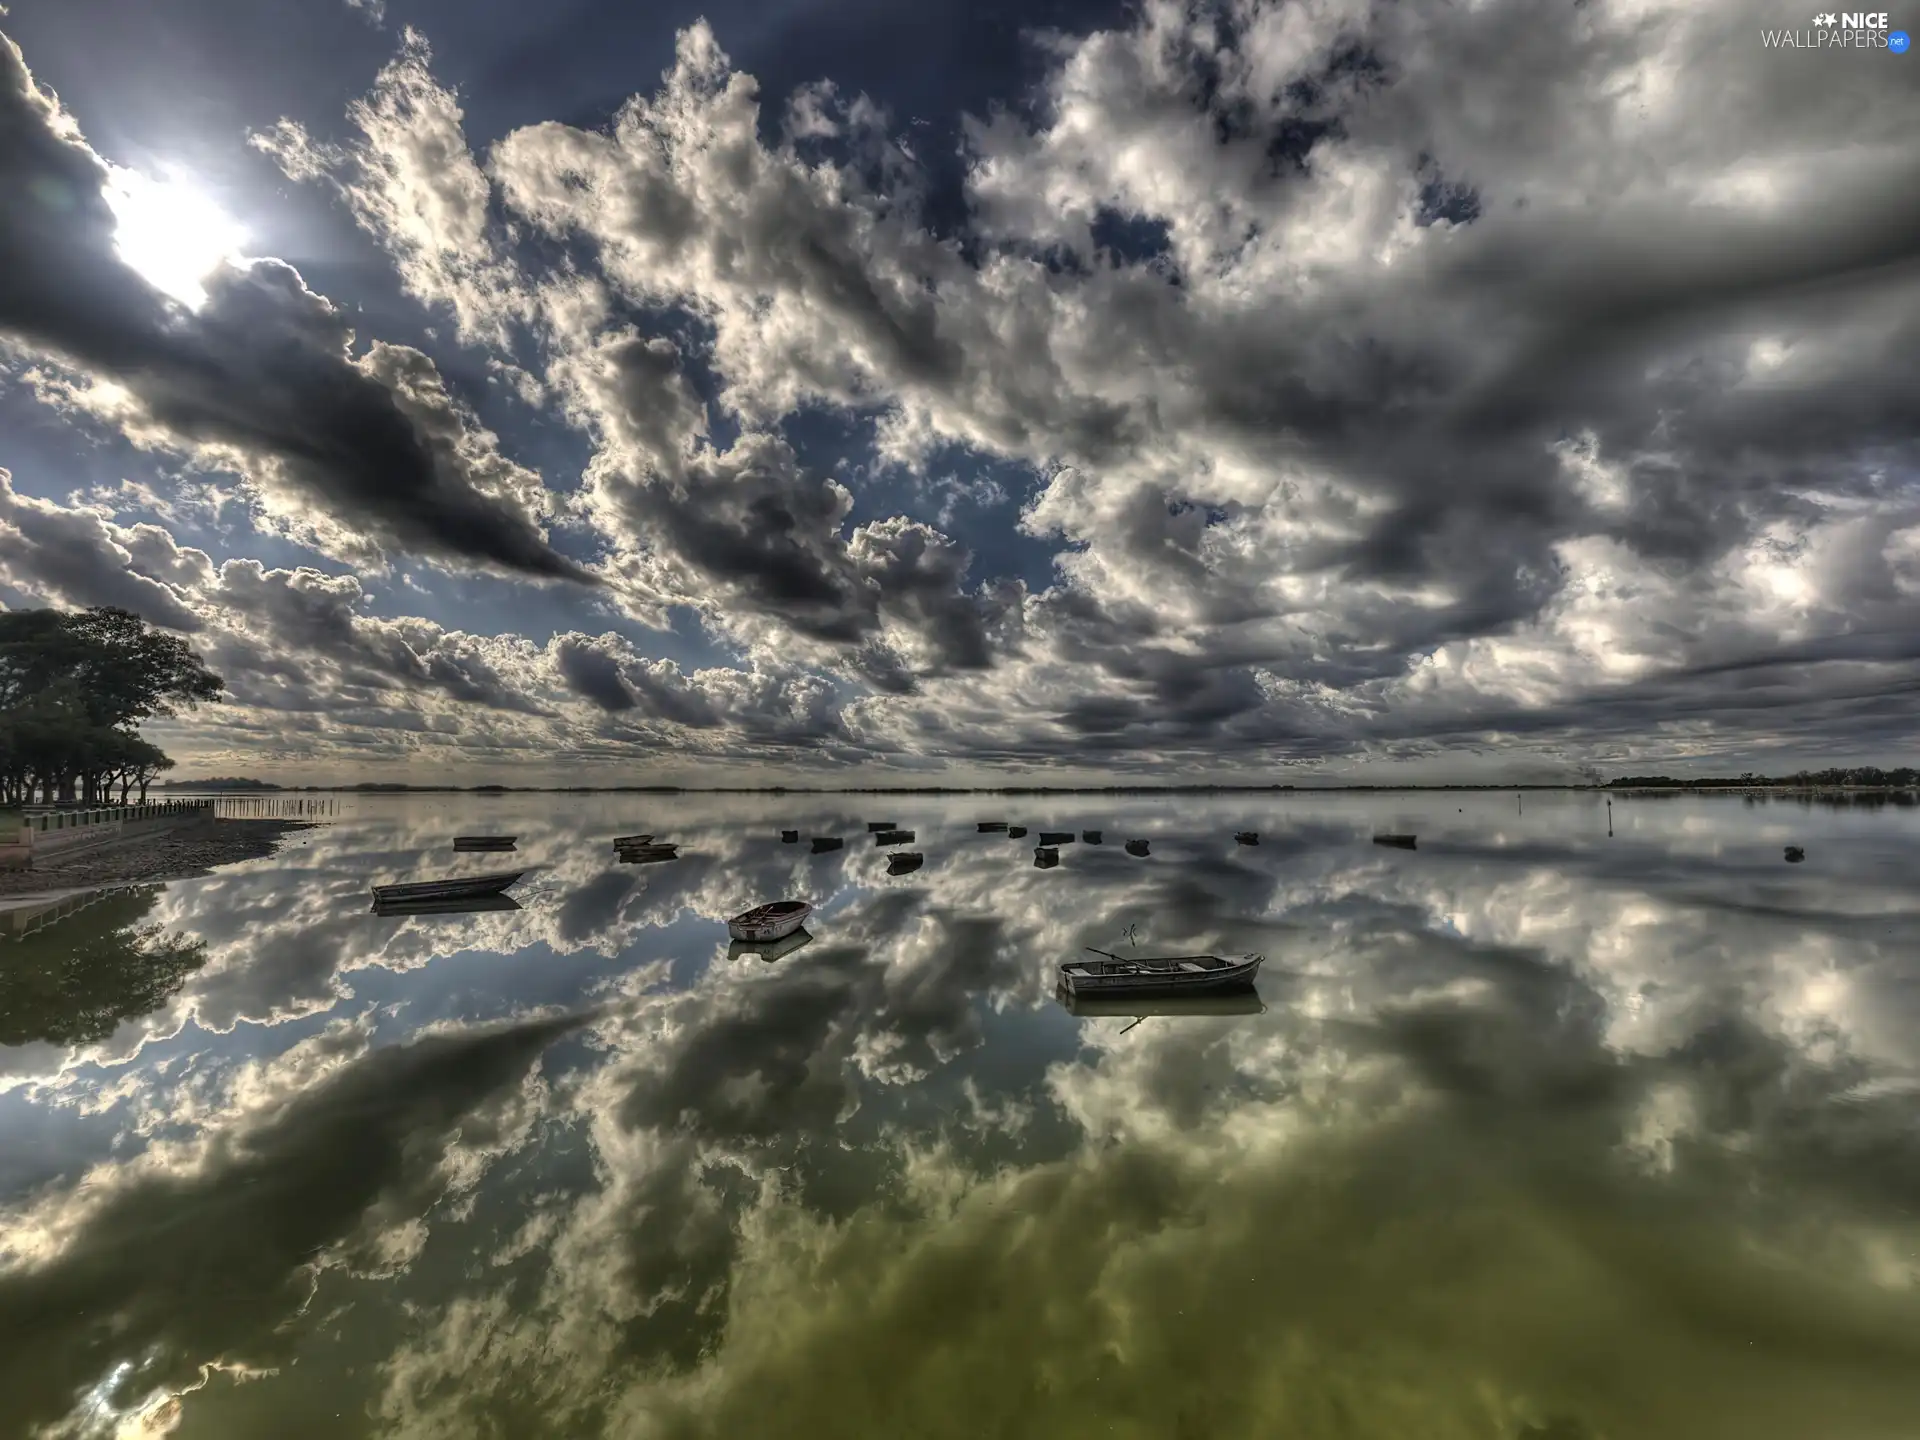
[
  {"x": 1056, "y": 837},
  {"x": 893, "y": 837},
  {"x": 1016, "y": 831},
  {"x": 789, "y": 837},
  {"x": 771, "y": 921},
  {"x": 989, "y": 827},
  {"x": 1121, "y": 975},
  {"x": 824, "y": 843},
  {"x": 1246, "y": 837},
  {"x": 905, "y": 862},
  {"x": 465, "y": 887},
  {"x": 1795, "y": 854},
  {"x": 1090, "y": 837},
  {"x": 1136, "y": 847},
  {"x": 1400, "y": 842},
  {"x": 874, "y": 827},
  {"x": 484, "y": 842},
  {"x": 1045, "y": 857},
  {"x": 621, "y": 841}
]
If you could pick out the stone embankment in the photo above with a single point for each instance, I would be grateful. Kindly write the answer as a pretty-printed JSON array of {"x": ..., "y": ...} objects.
[{"x": 177, "y": 854}]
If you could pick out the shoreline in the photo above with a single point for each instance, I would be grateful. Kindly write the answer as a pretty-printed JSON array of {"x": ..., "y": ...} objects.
[{"x": 184, "y": 854}]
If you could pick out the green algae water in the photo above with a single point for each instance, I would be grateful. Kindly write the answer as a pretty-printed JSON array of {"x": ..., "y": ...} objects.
[{"x": 1532, "y": 1131}]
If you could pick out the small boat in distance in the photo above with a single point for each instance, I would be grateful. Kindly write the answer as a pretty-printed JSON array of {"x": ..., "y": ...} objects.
[
  {"x": 465, "y": 887},
  {"x": 874, "y": 827},
  {"x": 1056, "y": 837},
  {"x": 1045, "y": 857},
  {"x": 476, "y": 905},
  {"x": 989, "y": 827},
  {"x": 627, "y": 841},
  {"x": 893, "y": 837},
  {"x": 824, "y": 843},
  {"x": 1016, "y": 831},
  {"x": 1136, "y": 847},
  {"x": 1119, "y": 975},
  {"x": 1795, "y": 854},
  {"x": 770, "y": 949},
  {"x": 774, "y": 920},
  {"x": 484, "y": 842},
  {"x": 905, "y": 862},
  {"x": 1246, "y": 837},
  {"x": 789, "y": 837},
  {"x": 1403, "y": 842},
  {"x": 649, "y": 854},
  {"x": 1090, "y": 837}
]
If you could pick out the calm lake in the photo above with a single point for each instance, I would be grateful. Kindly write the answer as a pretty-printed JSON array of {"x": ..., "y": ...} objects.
[{"x": 1533, "y": 1132}]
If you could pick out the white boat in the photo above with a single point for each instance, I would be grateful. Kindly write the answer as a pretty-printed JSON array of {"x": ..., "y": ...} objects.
[
  {"x": 466, "y": 887},
  {"x": 1160, "y": 974},
  {"x": 772, "y": 921}
]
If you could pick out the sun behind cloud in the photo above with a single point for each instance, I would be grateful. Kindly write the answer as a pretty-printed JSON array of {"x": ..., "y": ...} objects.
[{"x": 171, "y": 233}]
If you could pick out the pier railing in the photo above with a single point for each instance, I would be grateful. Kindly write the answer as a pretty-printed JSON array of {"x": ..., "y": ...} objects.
[{"x": 46, "y": 831}]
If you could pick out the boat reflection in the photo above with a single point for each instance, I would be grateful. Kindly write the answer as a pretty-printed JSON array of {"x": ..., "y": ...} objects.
[
  {"x": 1244, "y": 1001},
  {"x": 769, "y": 949},
  {"x": 469, "y": 905}
]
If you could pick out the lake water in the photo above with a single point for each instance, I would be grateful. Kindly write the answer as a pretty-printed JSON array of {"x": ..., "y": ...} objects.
[{"x": 1539, "y": 1133}]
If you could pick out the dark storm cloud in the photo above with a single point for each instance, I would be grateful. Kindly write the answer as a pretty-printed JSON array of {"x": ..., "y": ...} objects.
[
  {"x": 264, "y": 366},
  {"x": 70, "y": 556},
  {"x": 186, "y": 1268}
]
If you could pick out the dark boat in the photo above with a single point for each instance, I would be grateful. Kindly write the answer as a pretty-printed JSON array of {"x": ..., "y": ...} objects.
[
  {"x": 769, "y": 949},
  {"x": 1136, "y": 847},
  {"x": 1056, "y": 837},
  {"x": 874, "y": 827},
  {"x": 478, "y": 905},
  {"x": 1091, "y": 837},
  {"x": 824, "y": 843},
  {"x": 1246, "y": 837},
  {"x": 628, "y": 840},
  {"x": 893, "y": 837},
  {"x": 1243, "y": 1000},
  {"x": 1403, "y": 842},
  {"x": 1045, "y": 857},
  {"x": 1016, "y": 831},
  {"x": 989, "y": 827},
  {"x": 484, "y": 842},
  {"x": 1162, "y": 974},
  {"x": 1795, "y": 854},
  {"x": 789, "y": 837},
  {"x": 905, "y": 862},
  {"x": 466, "y": 887}
]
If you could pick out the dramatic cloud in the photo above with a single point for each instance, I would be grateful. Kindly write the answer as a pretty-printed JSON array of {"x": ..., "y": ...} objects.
[
  {"x": 1354, "y": 419},
  {"x": 262, "y": 372}
]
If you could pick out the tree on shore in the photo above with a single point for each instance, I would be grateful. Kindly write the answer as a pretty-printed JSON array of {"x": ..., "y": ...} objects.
[{"x": 74, "y": 687}]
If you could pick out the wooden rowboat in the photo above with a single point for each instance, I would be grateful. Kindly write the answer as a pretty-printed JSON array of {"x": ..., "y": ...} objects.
[
  {"x": 1045, "y": 857},
  {"x": 1246, "y": 837},
  {"x": 824, "y": 843},
  {"x": 905, "y": 862},
  {"x": 1181, "y": 974},
  {"x": 1016, "y": 831},
  {"x": 874, "y": 827},
  {"x": 625, "y": 841},
  {"x": 988, "y": 827},
  {"x": 1136, "y": 847},
  {"x": 484, "y": 842},
  {"x": 773, "y": 921},
  {"x": 466, "y": 887},
  {"x": 1056, "y": 837},
  {"x": 893, "y": 837},
  {"x": 1090, "y": 837},
  {"x": 789, "y": 837}
]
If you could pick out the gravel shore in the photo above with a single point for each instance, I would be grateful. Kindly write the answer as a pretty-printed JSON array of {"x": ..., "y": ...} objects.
[{"x": 173, "y": 855}]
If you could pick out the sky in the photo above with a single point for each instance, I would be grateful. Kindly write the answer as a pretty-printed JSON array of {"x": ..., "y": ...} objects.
[{"x": 1242, "y": 391}]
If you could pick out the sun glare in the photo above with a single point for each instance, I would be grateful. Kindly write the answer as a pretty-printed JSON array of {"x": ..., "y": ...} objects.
[{"x": 171, "y": 234}]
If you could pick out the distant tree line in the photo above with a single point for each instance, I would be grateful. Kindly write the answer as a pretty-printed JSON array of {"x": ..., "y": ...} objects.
[
  {"x": 1860, "y": 777},
  {"x": 74, "y": 687}
]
